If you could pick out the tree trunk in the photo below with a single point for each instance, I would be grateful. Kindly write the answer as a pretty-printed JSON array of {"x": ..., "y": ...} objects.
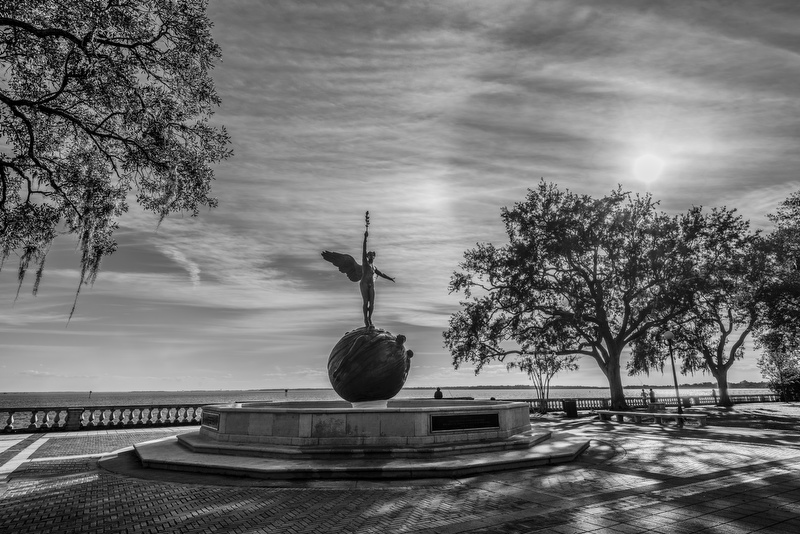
[
  {"x": 615, "y": 385},
  {"x": 721, "y": 375}
]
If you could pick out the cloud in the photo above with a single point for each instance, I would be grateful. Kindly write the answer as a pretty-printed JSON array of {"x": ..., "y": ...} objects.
[{"x": 192, "y": 268}]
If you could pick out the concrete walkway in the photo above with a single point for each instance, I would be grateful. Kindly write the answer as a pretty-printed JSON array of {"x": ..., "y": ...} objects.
[{"x": 740, "y": 474}]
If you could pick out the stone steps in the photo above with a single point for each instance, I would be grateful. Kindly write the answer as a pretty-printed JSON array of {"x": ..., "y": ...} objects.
[{"x": 170, "y": 454}]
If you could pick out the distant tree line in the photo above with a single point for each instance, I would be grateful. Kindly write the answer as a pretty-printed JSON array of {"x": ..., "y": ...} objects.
[{"x": 584, "y": 276}]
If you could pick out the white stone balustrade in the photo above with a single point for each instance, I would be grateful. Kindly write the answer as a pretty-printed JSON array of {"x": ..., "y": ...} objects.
[
  {"x": 110, "y": 417},
  {"x": 53, "y": 419}
]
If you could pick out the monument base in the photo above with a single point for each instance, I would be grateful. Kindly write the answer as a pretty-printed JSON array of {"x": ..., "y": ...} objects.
[
  {"x": 404, "y": 423},
  {"x": 414, "y": 438}
]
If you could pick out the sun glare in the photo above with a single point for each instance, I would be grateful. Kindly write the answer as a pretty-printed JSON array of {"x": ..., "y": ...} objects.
[{"x": 648, "y": 167}]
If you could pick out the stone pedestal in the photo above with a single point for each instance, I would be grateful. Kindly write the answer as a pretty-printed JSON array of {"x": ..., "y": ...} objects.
[
  {"x": 327, "y": 426},
  {"x": 74, "y": 417}
]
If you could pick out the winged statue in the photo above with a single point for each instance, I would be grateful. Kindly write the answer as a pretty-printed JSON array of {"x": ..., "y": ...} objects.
[{"x": 365, "y": 273}]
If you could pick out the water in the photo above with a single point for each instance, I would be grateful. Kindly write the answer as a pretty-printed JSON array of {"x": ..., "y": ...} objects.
[{"x": 176, "y": 398}]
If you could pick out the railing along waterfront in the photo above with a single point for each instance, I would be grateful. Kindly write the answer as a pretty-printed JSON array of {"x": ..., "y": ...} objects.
[
  {"x": 54, "y": 419},
  {"x": 600, "y": 403}
]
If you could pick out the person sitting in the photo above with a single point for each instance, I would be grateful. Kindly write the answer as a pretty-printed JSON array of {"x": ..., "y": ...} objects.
[{"x": 438, "y": 394}]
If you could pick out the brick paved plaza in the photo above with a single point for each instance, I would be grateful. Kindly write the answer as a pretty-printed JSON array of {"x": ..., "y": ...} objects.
[{"x": 740, "y": 474}]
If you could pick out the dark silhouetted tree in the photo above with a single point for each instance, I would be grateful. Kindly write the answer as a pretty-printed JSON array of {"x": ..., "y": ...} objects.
[
  {"x": 783, "y": 311},
  {"x": 579, "y": 276},
  {"x": 737, "y": 269}
]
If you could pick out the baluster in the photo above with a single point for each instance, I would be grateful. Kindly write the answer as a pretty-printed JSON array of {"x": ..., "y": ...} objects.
[
  {"x": 9, "y": 422},
  {"x": 148, "y": 418},
  {"x": 133, "y": 418},
  {"x": 45, "y": 426},
  {"x": 56, "y": 419},
  {"x": 34, "y": 414}
]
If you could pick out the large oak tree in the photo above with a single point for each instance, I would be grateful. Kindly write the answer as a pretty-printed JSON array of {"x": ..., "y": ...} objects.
[
  {"x": 738, "y": 270},
  {"x": 579, "y": 275},
  {"x": 101, "y": 100}
]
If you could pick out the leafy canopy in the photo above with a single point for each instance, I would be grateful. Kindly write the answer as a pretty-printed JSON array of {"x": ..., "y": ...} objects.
[
  {"x": 99, "y": 99},
  {"x": 784, "y": 307},
  {"x": 780, "y": 362}
]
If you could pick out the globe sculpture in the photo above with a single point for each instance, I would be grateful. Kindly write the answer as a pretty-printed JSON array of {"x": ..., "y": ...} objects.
[{"x": 369, "y": 364}]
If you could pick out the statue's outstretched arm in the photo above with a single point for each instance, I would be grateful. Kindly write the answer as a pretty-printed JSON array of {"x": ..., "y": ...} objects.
[{"x": 383, "y": 275}]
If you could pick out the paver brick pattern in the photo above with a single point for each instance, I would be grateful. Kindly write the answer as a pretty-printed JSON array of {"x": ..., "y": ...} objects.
[
  {"x": 659, "y": 480},
  {"x": 77, "y": 443}
]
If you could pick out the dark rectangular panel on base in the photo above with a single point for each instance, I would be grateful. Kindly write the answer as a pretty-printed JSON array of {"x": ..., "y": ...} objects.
[
  {"x": 444, "y": 423},
  {"x": 211, "y": 420}
]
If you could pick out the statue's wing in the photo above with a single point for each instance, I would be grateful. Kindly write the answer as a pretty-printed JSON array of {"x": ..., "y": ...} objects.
[{"x": 346, "y": 264}]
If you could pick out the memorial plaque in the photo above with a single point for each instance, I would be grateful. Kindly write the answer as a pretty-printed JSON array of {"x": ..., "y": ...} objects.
[
  {"x": 211, "y": 420},
  {"x": 444, "y": 423}
]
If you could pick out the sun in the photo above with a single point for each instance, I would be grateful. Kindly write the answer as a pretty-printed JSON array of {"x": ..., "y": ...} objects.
[{"x": 648, "y": 167}]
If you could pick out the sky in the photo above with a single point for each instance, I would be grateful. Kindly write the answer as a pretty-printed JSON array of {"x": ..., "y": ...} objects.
[{"x": 432, "y": 116}]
